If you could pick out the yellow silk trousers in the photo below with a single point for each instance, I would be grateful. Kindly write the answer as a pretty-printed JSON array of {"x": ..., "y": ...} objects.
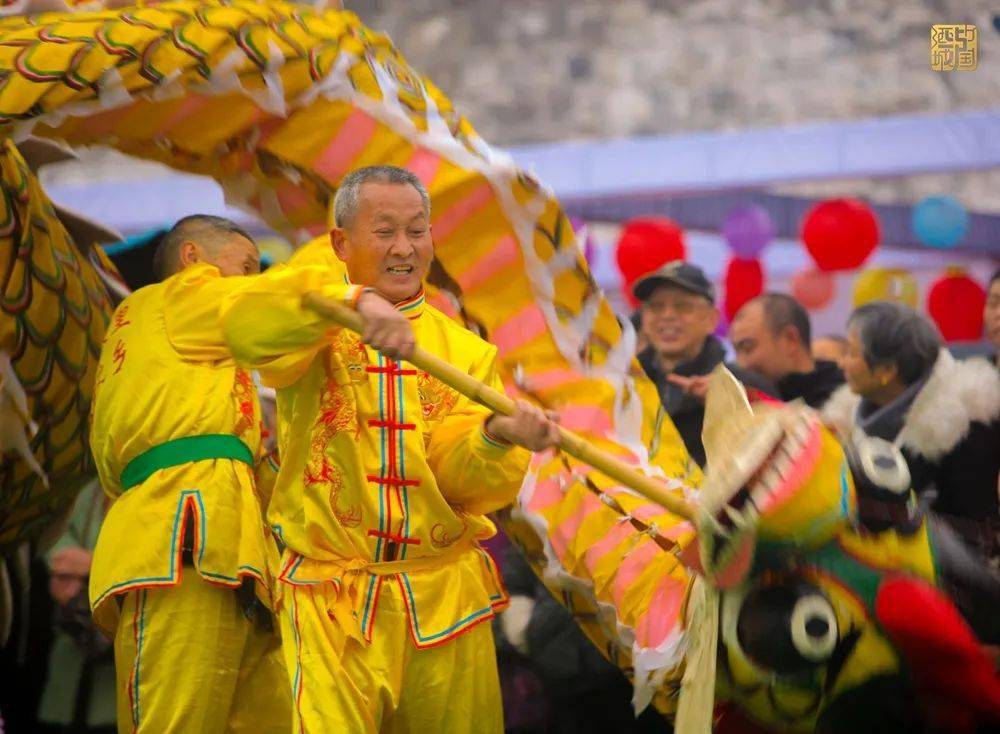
[
  {"x": 188, "y": 661},
  {"x": 342, "y": 685}
]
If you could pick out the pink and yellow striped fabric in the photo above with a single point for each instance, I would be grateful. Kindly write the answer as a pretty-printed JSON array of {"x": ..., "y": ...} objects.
[{"x": 277, "y": 102}]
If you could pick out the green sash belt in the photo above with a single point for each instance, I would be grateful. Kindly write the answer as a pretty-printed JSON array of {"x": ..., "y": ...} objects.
[{"x": 181, "y": 451}]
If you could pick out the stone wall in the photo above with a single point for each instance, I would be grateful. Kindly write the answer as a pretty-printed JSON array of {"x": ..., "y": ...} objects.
[
  {"x": 544, "y": 70},
  {"x": 540, "y": 70}
]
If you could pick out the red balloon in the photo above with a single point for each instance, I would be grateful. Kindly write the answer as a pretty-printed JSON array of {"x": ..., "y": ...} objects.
[
  {"x": 813, "y": 288},
  {"x": 840, "y": 234},
  {"x": 744, "y": 281},
  {"x": 645, "y": 244},
  {"x": 955, "y": 302}
]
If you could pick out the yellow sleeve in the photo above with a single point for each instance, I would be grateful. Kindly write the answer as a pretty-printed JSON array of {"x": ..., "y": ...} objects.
[
  {"x": 191, "y": 312},
  {"x": 473, "y": 469},
  {"x": 267, "y": 328}
]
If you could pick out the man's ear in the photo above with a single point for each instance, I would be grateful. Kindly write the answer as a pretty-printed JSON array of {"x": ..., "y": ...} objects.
[
  {"x": 885, "y": 373},
  {"x": 714, "y": 316},
  {"x": 188, "y": 254},
  {"x": 339, "y": 241}
]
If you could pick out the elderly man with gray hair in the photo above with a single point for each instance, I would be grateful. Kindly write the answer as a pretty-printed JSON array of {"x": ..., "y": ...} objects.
[{"x": 386, "y": 478}]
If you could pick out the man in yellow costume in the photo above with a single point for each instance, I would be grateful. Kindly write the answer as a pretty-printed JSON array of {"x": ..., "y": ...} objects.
[
  {"x": 182, "y": 558},
  {"x": 386, "y": 476}
]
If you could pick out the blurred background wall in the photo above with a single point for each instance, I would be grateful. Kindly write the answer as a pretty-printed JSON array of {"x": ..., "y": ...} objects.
[{"x": 686, "y": 109}]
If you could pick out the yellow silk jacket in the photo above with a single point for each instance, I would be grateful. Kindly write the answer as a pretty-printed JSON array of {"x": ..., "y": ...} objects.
[
  {"x": 386, "y": 473},
  {"x": 165, "y": 373}
]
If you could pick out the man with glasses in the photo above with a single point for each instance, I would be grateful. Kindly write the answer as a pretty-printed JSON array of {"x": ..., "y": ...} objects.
[{"x": 678, "y": 317}]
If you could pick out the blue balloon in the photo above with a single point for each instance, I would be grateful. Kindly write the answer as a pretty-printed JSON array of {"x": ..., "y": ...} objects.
[{"x": 940, "y": 221}]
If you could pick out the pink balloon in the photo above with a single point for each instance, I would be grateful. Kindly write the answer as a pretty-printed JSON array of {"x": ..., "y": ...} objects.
[{"x": 813, "y": 288}]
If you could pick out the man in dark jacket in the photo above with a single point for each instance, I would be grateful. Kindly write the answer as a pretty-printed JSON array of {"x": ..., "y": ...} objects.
[
  {"x": 771, "y": 336},
  {"x": 678, "y": 317}
]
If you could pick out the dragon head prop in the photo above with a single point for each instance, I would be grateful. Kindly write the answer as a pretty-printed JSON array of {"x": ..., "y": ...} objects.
[{"x": 828, "y": 619}]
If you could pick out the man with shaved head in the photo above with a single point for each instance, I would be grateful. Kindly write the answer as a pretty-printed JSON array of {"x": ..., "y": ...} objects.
[
  {"x": 771, "y": 335},
  {"x": 202, "y": 238},
  {"x": 182, "y": 558}
]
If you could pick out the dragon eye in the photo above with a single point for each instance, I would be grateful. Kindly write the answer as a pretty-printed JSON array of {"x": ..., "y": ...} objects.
[
  {"x": 813, "y": 627},
  {"x": 787, "y": 628},
  {"x": 879, "y": 465}
]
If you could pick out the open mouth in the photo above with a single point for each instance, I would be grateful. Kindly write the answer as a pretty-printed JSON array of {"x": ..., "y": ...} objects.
[
  {"x": 759, "y": 476},
  {"x": 400, "y": 270},
  {"x": 668, "y": 334},
  {"x": 781, "y": 472}
]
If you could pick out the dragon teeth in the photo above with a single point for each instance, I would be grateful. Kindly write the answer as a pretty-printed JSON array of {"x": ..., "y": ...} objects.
[
  {"x": 783, "y": 463},
  {"x": 770, "y": 478},
  {"x": 736, "y": 516}
]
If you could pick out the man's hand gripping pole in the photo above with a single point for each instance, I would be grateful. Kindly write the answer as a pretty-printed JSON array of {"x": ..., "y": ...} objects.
[{"x": 499, "y": 403}]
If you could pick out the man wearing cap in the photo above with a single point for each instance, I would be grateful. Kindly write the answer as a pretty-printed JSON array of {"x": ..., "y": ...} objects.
[{"x": 678, "y": 317}]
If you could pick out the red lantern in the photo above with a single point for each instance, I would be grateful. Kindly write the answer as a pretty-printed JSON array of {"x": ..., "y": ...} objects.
[
  {"x": 744, "y": 281},
  {"x": 955, "y": 302},
  {"x": 840, "y": 234},
  {"x": 645, "y": 244},
  {"x": 813, "y": 288}
]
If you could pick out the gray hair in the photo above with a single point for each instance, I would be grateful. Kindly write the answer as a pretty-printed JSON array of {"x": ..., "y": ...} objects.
[
  {"x": 896, "y": 335},
  {"x": 207, "y": 230},
  {"x": 345, "y": 203}
]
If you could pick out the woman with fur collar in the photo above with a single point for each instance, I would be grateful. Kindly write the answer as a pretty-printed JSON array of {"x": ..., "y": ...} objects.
[{"x": 943, "y": 414}]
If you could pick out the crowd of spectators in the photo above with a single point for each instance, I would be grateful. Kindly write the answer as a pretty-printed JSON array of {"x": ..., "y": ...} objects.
[{"x": 888, "y": 375}]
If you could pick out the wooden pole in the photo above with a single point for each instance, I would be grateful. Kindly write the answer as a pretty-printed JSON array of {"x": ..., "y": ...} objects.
[{"x": 499, "y": 403}]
